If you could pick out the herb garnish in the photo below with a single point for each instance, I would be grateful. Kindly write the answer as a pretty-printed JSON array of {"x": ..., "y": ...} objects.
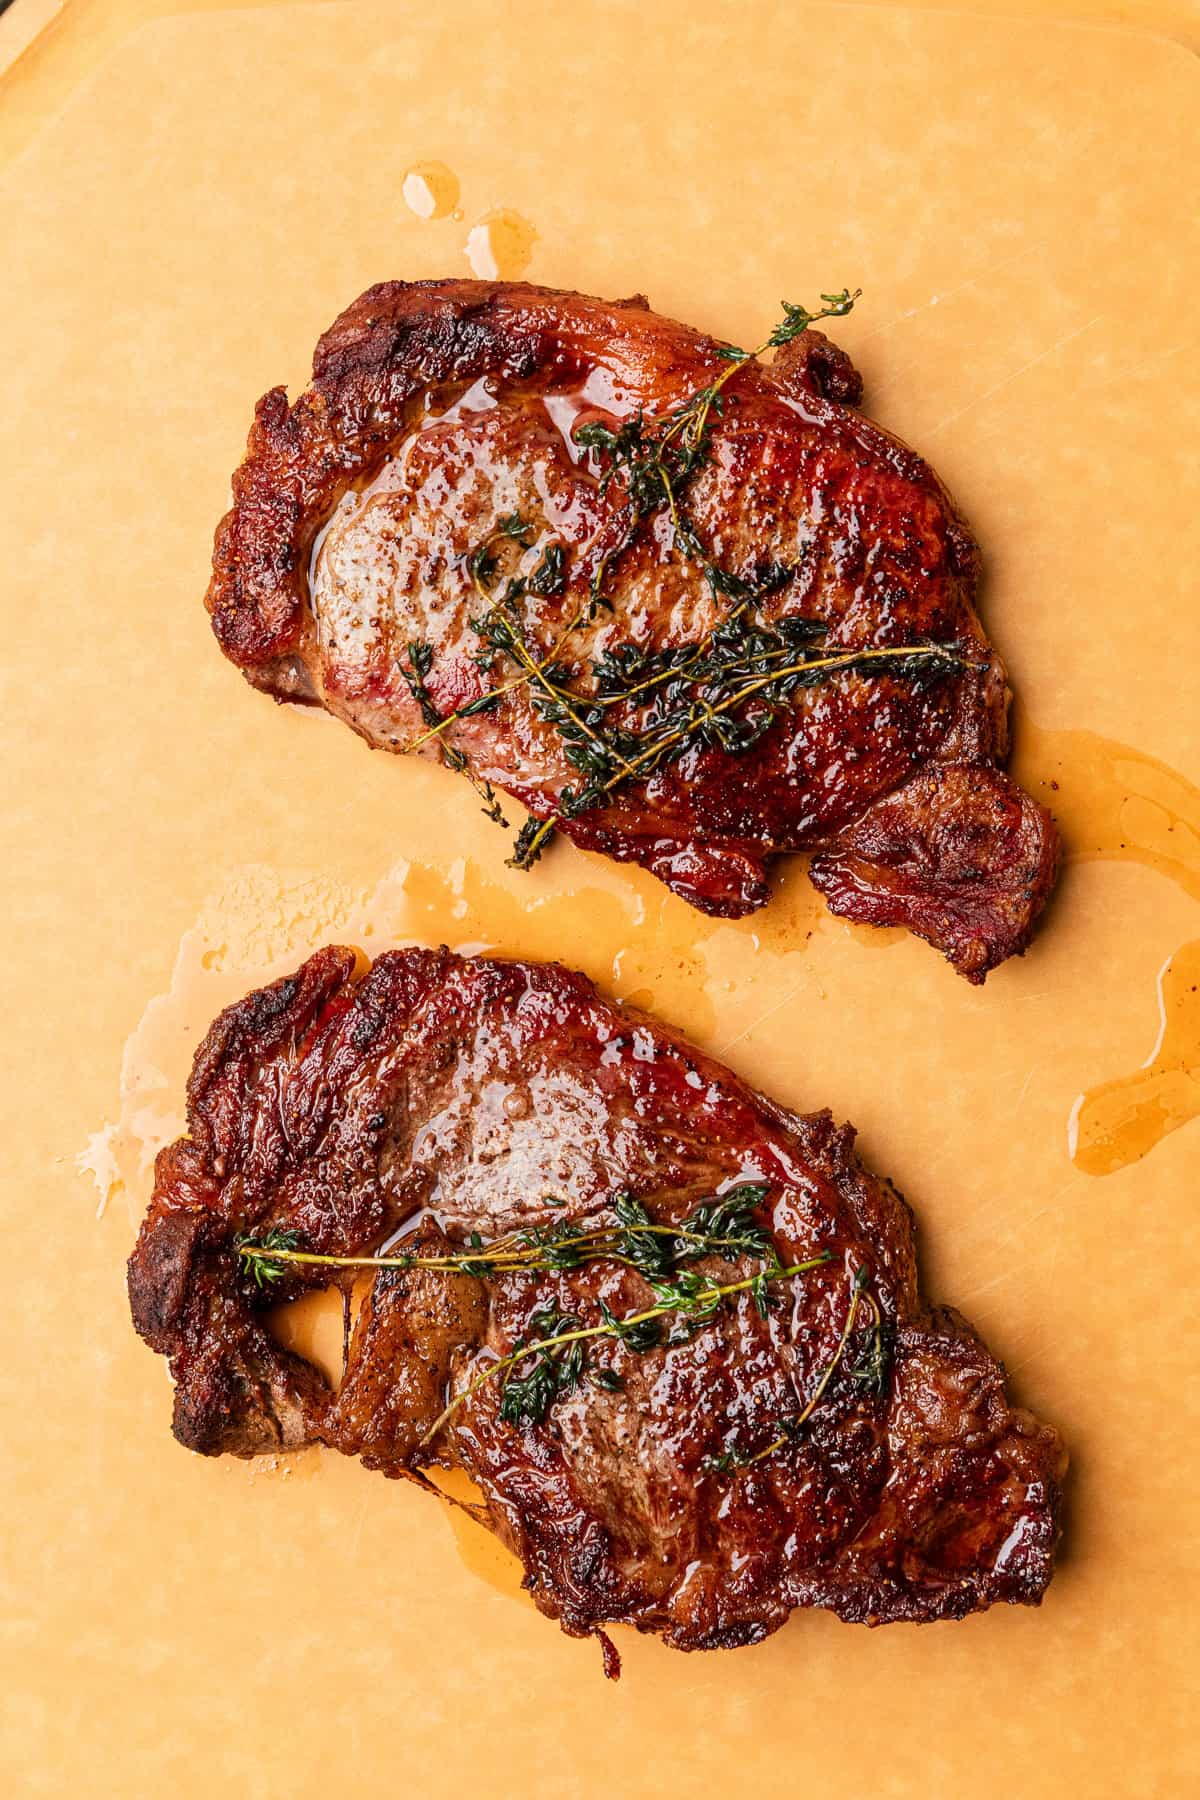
[
  {"x": 556, "y": 1369},
  {"x": 420, "y": 659},
  {"x": 550, "y": 575},
  {"x": 721, "y": 1225},
  {"x": 691, "y": 1295},
  {"x": 790, "y": 1428},
  {"x": 725, "y": 691},
  {"x": 553, "y": 1345},
  {"x": 870, "y": 1372},
  {"x": 654, "y": 460},
  {"x": 264, "y": 1258}
]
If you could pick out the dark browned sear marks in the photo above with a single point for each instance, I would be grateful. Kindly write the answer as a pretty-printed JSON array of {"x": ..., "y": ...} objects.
[
  {"x": 439, "y": 410},
  {"x": 440, "y": 1096}
]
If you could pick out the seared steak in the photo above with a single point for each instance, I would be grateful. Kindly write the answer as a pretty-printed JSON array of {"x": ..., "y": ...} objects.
[
  {"x": 818, "y": 1436},
  {"x": 504, "y": 490}
]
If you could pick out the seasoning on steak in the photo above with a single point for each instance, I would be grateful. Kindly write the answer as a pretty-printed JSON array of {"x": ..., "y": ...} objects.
[
  {"x": 825, "y": 1440},
  {"x": 457, "y": 472}
]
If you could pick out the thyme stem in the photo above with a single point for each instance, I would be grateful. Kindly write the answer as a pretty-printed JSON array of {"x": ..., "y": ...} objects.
[
  {"x": 615, "y": 1329},
  {"x": 857, "y": 1298},
  {"x": 705, "y": 712},
  {"x": 506, "y": 1255},
  {"x": 507, "y": 687},
  {"x": 651, "y": 460},
  {"x": 846, "y": 660},
  {"x": 689, "y": 421}
]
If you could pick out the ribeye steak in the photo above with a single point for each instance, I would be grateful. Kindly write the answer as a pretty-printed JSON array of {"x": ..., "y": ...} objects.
[
  {"x": 791, "y": 1426},
  {"x": 691, "y": 614}
]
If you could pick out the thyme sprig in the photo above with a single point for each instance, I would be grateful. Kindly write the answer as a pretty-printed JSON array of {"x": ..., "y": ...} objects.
[
  {"x": 691, "y": 1296},
  {"x": 652, "y": 460},
  {"x": 725, "y": 691},
  {"x": 554, "y": 1344},
  {"x": 555, "y": 1371},
  {"x": 499, "y": 629},
  {"x": 871, "y": 1373},
  {"x": 265, "y": 1258},
  {"x": 420, "y": 662},
  {"x": 707, "y": 712},
  {"x": 721, "y": 1225}
]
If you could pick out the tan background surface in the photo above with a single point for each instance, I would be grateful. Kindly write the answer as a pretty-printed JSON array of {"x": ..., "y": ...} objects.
[{"x": 198, "y": 210}]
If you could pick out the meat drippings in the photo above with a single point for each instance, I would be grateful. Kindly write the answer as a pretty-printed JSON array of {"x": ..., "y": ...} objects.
[
  {"x": 1120, "y": 1121},
  {"x": 1118, "y": 804}
]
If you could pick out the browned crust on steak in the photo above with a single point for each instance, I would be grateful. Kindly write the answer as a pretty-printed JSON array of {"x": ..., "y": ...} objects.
[
  {"x": 467, "y": 1094},
  {"x": 877, "y": 549}
]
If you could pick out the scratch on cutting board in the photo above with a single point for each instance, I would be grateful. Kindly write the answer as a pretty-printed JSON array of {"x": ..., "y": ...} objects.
[
  {"x": 1145, "y": 365},
  {"x": 964, "y": 1299},
  {"x": 1025, "y": 1087},
  {"x": 1055, "y": 1200},
  {"x": 940, "y": 299},
  {"x": 760, "y": 1020},
  {"x": 1008, "y": 380},
  {"x": 1074, "y": 1184},
  {"x": 1028, "y": 1356},
  {"x": 1046, "y": 1282},
  {"x": 1020, "y": 1267}
]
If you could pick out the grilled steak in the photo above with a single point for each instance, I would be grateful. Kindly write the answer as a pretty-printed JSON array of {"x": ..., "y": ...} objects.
[
  {"x": 818, "y": 1436},
  {"x": 504, "y": 490}
]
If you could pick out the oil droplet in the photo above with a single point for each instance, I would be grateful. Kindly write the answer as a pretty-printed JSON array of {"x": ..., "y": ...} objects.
[
  {"x": 1118, "y": 1122},
  {"x": 480, "y": 1549},
  {"x": 500, "y": 246},
  {"x": 1114, "y": 803},
  {"x": 623, "y": 930},
  {"x": 430, "y": 190}
]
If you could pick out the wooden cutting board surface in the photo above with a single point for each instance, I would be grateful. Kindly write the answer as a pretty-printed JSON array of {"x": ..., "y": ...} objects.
[{"x": 1015, "y": 197}]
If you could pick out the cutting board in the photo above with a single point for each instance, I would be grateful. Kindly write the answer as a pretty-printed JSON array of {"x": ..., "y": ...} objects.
[{"x": 1015, "y": 199}]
